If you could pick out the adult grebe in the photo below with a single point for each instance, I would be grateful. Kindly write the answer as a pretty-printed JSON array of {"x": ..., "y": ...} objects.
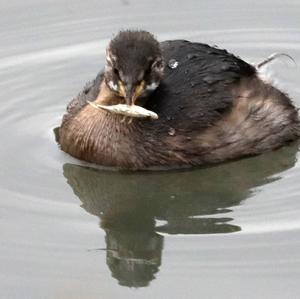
[{"x": 211, "y": 107}]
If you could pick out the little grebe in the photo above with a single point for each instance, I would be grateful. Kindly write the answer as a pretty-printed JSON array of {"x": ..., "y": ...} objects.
[{"x": 212, "y": 107}]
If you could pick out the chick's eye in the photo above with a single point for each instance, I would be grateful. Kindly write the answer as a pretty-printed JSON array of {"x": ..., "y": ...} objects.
[
  {"x": 116, "y": 71},
  {"x": 158, "y": 64},
  {"x": 148, "y": 70}
]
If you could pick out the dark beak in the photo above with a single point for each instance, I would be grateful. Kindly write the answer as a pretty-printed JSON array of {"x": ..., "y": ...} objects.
[{"x": 130, "y": 94}]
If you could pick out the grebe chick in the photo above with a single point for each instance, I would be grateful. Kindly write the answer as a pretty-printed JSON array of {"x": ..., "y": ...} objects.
[{"x": 211, "y": 107}]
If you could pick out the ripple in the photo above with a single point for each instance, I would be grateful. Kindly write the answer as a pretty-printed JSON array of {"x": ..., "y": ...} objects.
[
  {"x": 53, "y": 55},
  {"x": 232, "y": 226},
  {"x": 239, "y": 38},
  {"x": 41, "y": 99}
]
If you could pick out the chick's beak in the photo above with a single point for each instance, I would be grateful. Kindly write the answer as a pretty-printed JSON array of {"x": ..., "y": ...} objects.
[{"x": 131, "y": 92}]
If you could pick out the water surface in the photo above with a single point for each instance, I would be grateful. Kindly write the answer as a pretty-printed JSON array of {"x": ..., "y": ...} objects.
[{"x": 69, "y": 230}]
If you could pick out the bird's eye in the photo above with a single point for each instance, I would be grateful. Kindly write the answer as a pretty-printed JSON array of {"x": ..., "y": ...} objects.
[
  {"x": 116, "y": 71},
  {"x": 158, "y": 64},
  {"x": 148, "y": 70}
]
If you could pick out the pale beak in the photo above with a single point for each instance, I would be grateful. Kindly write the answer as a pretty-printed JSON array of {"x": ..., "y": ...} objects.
[{"x": 131, "y": 92}]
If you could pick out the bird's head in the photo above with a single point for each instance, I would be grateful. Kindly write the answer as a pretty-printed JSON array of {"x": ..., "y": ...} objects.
[{"x": 134, "y": 65}]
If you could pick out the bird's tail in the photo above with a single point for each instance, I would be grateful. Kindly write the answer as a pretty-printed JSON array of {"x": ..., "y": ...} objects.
[{"x": 273, "y": 57}]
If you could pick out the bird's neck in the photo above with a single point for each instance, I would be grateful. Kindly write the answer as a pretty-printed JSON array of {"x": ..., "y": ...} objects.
[
  {"x": 100, "y": 136},
  {"x": 108, "y": 97}
]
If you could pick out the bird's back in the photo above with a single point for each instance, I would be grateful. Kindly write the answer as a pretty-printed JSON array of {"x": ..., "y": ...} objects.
[{"x": 197, "y": 86}]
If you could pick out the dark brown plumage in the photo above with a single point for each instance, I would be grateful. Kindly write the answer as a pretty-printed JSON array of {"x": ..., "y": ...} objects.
[{"x": 212, "y": 107}]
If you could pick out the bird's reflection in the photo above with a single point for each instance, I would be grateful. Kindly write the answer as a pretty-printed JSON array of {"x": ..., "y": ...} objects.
[{"x": 134, "y": 207}]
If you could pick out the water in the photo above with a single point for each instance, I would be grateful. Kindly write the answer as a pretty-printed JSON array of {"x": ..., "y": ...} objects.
[{"x": 70, "y": 231}]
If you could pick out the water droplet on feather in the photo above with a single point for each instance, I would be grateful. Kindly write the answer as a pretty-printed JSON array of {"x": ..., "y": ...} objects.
[
  {"x": 173, "y": 64},
  {"x": 225, "y": 67},
  {"x": 171, "y": 132},
  {"x": 209, "y": 79},
  {"x": 192, "y": 55}
]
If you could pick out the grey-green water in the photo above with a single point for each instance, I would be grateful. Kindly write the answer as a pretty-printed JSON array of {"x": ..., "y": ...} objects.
[{"x": 70, "y": 231}]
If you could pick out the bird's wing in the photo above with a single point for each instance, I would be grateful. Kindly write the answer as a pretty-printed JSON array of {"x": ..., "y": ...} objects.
[
  {"x": 89, "y": 93},
  {"x": 197, "y": 85}
]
